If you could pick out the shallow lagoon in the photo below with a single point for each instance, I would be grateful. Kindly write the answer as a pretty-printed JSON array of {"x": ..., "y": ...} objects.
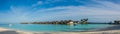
[{"x": 54, "y": 27}]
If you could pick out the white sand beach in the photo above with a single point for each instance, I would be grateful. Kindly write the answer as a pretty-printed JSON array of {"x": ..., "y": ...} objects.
[{"x": 8, "y": 31}]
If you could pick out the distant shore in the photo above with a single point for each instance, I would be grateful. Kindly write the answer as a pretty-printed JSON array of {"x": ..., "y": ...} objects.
[{"x": 109, "y": 30}]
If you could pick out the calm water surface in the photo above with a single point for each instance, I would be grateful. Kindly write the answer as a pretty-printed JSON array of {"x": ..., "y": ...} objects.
[{"x": 53, "y": 27}]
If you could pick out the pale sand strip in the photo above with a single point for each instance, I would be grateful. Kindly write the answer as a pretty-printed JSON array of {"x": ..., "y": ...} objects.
[
  {"x": 8, "y": 31},
  {"x": 3, "y": 29}
]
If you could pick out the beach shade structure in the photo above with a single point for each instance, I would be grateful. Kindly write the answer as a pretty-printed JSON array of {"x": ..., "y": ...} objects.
[{"x": 70, "y": 22}]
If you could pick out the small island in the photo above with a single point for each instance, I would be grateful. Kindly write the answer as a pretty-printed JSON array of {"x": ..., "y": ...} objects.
[
  {"x": 82, "y": 21},
  {"x": 68, "y": 22}
]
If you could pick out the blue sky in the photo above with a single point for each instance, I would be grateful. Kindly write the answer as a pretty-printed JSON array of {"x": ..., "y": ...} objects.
[{"x": 51, "y": 10}]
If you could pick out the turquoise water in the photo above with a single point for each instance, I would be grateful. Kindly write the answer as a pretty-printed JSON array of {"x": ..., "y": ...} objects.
[{"x": 54, "y": 28}]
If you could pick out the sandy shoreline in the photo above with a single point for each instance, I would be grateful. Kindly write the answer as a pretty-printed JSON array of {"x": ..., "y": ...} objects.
[{"x": 8, "y": 31}]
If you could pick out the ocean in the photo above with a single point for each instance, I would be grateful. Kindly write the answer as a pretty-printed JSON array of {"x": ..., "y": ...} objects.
[{"x": 54, "y": 27}]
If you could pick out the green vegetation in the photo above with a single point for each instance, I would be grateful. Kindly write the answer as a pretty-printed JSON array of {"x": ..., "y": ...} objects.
[
  {"x": 117, "y": 22},
  {"x": 83, "y": 21},
  {"x": 24, "y": 23}
]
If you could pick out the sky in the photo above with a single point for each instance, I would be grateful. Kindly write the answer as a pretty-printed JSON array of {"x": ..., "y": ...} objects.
[{"x": 14, "y": 11}]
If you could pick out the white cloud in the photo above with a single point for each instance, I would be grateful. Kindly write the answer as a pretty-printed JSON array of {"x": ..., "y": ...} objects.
[
  {"x": 46, "y": 2},
  {"x": 109, "y": 4},
  {"x": 53, "y": 1},
  {"x": 15, "y": 14},
  {"x": 81, "y": 10},
  {"x": 104, "y": 11},
  {"x": 37, "y": 4}
]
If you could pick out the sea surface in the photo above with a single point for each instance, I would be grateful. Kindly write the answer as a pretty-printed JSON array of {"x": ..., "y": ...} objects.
[{"x": 54, "y": 27}]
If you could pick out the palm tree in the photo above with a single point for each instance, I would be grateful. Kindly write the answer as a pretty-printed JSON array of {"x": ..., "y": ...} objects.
[{"x": 84, "y": 21}]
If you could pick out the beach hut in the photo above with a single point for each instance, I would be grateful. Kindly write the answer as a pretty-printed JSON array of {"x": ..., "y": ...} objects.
[{"x": 70, "y": 22}]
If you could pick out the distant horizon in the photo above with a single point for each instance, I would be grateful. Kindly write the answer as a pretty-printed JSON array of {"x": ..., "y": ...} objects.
[
  {"x": 14, "y": 11},
  {"x": 58, "y": 20}
]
